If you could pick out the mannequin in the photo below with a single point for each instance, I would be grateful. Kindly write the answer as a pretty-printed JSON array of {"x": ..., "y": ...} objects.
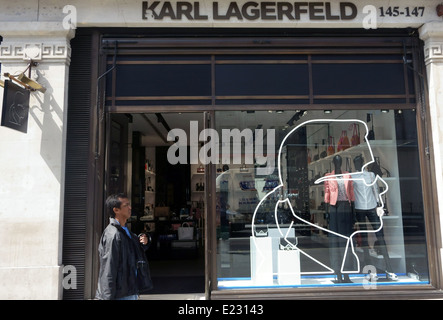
[
  {"x": 339, "y": 197},
  {"x": 366, "y": 196}
]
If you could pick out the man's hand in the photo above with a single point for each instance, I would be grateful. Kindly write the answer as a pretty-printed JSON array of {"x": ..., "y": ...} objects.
[{"x": 143, "y": 239}]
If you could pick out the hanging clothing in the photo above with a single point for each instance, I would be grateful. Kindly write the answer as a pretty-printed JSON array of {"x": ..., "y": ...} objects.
[
  {"x": 332, "y": 188},
  {"x": 339, "y": 193},
  {"x": 342, "y": 196},
  {"x": 365, "y": 190}
]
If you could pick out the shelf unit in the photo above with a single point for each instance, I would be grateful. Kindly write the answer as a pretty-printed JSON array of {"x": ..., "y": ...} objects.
[{"x": 149, "y": 183}]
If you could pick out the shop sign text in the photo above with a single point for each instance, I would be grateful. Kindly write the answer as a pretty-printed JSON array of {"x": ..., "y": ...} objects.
[{"x": 251, "y": 10}]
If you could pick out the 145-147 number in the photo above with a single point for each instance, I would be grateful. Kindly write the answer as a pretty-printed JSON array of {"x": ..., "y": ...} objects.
[{"x": 397, "y": 12}]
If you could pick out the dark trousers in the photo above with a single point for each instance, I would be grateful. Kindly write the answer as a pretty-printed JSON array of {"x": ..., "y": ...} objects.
[
  {"x": 374, "y": 220},
  {"x": 341, "y": 221}
]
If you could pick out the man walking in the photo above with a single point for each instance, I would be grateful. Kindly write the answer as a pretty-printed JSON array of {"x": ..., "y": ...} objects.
[{"x": 124, "y": 271}]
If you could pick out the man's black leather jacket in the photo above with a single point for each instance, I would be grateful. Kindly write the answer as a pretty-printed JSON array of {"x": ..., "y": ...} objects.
[{"x": 124, "y": 269}]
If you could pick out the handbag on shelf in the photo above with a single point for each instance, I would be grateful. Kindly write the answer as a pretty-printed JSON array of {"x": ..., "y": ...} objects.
[
  {"x": 371, "y": 134},
  {"x": 385, "y": 207},
  {"x": 355, "y": 139},
  {"x": 317, "y": 156},
  {"x": 323, "y": 154},
  {"x": 376, "y": 168},
  {"x": 185, "y": 232},
  {"x": 331, "y": 148},
  {"x": 343, "y": 143}
]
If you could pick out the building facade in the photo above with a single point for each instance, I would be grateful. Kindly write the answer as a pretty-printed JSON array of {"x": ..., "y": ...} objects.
[{"x": 303, "y": 71}]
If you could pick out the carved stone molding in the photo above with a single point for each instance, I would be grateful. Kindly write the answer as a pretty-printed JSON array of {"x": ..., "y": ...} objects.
[
  {"x": 35, "y": 51},
  {"x": 432, "y": 35},
  {"x": 433, "y": 52}
]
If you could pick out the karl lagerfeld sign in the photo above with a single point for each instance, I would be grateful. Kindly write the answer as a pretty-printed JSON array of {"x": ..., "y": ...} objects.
[{"x": 250, "y": 10}]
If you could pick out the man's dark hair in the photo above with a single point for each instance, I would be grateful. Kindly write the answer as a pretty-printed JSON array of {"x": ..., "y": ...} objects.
[{"x": 114, "y": 201}]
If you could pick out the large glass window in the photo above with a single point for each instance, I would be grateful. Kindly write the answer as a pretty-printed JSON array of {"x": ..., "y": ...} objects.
[{"x": 319, "y": 199}]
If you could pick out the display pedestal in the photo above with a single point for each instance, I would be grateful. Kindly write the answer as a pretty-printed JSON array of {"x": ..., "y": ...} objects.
[
  {"x": 261, "y": 260},
  {"x": 275, "y": 234},
  {"x": 289, "y": 267}
]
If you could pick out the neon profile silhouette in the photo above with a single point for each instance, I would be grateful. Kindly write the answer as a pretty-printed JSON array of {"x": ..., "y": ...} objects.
[{"x": 279, "y": 193}]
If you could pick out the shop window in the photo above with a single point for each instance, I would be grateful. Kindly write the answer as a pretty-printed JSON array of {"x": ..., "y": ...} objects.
[
  {"x": 163, "y": 80},
  {"x": 261, "y": 79},
  {"x": 358, "y": 79},
  {"x": 341, "y": 205}
]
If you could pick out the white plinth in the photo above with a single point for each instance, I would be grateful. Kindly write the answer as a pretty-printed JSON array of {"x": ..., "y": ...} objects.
[
  {"x": 261, "y": 260},
  {"x": 288, "y": 267},
  {"x": 275, "y": 234}
]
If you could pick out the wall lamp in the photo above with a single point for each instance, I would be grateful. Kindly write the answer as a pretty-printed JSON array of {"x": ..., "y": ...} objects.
[
  {"x": 327, "y": 111},
  {"x": 25, "y": 81}
]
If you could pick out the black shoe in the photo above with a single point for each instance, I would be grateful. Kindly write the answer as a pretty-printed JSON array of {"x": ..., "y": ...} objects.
[{"x": 338, "y": 278}]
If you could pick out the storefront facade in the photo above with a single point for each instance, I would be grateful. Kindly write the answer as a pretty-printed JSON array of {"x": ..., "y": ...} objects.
[{"x": 290, "y": 79}]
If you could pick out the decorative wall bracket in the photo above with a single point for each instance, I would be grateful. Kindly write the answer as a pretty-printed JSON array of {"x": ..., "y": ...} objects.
[
  {"x": 433, "y": 51},
  {"x": 25, "y": 81}
]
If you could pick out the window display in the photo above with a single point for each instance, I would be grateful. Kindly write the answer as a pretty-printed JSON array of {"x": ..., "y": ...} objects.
[{"x": 343, "y": 205}]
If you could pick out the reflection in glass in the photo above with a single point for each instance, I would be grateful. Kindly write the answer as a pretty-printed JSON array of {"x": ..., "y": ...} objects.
[{"x": 341, "y": 206}]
